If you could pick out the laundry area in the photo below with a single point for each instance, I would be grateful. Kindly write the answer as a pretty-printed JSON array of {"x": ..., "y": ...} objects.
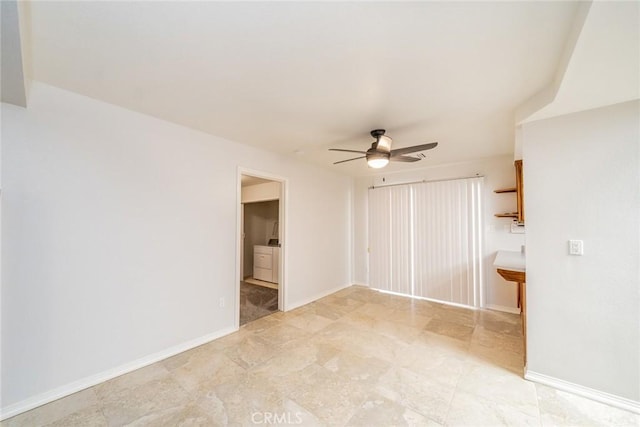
[
  {"x": 260, "y": 275},
  {"x": 261, "y": 251}
]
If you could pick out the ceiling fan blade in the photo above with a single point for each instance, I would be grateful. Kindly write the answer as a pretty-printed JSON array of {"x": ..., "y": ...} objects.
[
  {"x": 406, "y": 159},
  {"x": 347, "y": 151},
  {"x": 415, "y": 148},
  {"x": 348, "y": 160}
]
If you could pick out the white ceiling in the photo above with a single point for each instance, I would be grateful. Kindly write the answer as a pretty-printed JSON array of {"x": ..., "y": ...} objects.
[
  {"x": 303, "y": 77},
  {"x": 604, "y": 67},
  {"x": 12, "y": 89}
]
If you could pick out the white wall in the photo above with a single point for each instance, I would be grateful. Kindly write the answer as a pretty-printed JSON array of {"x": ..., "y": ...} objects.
[
  {"x": 582, "y": 177},
  {"x": 499, "y": 172},
  {"x": 119, "y": 239}
]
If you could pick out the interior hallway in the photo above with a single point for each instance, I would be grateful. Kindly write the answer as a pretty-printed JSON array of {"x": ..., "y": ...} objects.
[{"x": 357, "y": 357}]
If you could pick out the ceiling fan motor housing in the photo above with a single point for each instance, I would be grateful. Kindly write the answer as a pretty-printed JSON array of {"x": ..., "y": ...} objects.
[
  {"x": 382, "y": 142},
  {"x": 373, "y": 153},
  {"x": 377, "y": 159}
]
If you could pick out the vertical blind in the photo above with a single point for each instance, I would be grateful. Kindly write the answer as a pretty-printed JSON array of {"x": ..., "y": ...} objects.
[{"x": 425, "y": 240}]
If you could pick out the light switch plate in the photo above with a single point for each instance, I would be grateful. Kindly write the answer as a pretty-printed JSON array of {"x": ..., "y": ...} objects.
[{"x": 576, "y": 247}]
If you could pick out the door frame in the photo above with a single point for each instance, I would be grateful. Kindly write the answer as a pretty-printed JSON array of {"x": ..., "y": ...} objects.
[{"x": 282, "y": 225}]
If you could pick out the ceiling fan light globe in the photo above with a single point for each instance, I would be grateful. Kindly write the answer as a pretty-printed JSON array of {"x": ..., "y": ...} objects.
[{"x": 377, "y": 163}]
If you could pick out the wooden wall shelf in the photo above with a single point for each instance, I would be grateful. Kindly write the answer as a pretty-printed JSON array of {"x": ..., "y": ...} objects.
[
  {"x": 505, "y": 190},
  {"x": 519, "y": 190},
  {"x": 508, "y": 215}
]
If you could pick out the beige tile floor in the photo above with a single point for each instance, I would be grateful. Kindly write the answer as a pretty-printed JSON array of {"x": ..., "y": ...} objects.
[{"x": 356, "y": 358}]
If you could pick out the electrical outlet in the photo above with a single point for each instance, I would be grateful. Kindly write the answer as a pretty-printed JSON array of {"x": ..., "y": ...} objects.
[
  {"x": 576, "y": 247},
  {"x": 221, "y": 302}
]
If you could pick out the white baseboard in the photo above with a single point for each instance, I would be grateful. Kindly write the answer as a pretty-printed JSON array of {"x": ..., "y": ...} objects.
[
  {"x": 589, "y": 393},
  {"x": 76, "y": 386},
  {"x": 363, "y": 285},
  {"x": 504, "y": 308},
  {"x": 316, "y": 297},
  {"x": 453, "y": 304}
]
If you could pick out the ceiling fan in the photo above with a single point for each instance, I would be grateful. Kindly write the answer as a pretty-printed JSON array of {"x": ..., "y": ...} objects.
[{"x": 380, "y": 153}]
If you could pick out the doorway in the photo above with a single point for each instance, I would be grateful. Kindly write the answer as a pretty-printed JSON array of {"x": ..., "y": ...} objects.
[{"x": 260, "y": 246}]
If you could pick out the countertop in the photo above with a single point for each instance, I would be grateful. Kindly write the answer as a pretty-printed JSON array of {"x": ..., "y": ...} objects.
[{"x": 510, "y": 260}]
